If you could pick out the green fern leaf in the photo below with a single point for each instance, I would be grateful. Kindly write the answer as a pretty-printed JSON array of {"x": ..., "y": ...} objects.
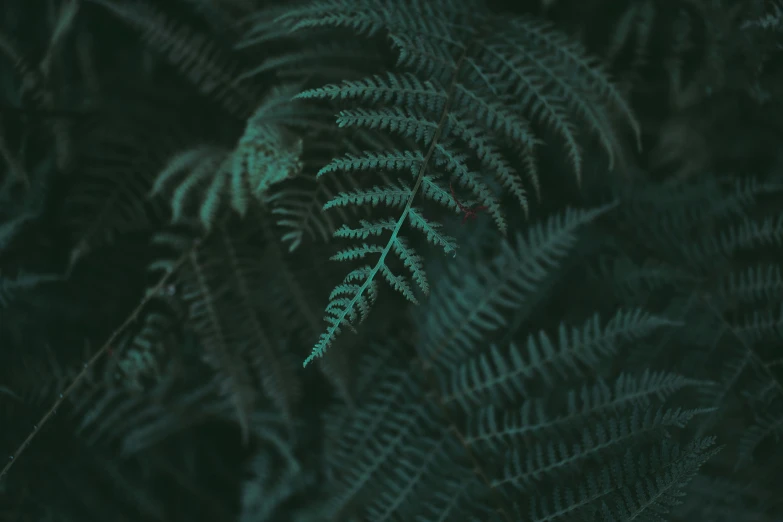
[{"x": 265, "y": 155}]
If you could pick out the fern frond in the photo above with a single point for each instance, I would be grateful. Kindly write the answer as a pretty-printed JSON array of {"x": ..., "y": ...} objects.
[
  {"x": 265, "y": 155},
  {"x": 461, "y": 102}
]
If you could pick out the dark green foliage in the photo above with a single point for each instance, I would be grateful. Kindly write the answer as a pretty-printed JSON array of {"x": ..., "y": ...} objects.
[
  {"x": 600, "y": 342},
  {"x": 479, "y": 81}
]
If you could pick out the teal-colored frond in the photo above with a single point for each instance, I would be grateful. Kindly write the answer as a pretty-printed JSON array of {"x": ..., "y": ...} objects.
[
  {"x": 265, "y": 155},
  {"x": 469, "y": 86}
]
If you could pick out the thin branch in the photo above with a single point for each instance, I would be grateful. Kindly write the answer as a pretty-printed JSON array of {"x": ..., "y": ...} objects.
[{"x": 106, "y": 346}]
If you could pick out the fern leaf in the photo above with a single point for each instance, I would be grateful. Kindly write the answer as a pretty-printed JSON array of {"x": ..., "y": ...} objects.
[{"x": 265, "y": 155}]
